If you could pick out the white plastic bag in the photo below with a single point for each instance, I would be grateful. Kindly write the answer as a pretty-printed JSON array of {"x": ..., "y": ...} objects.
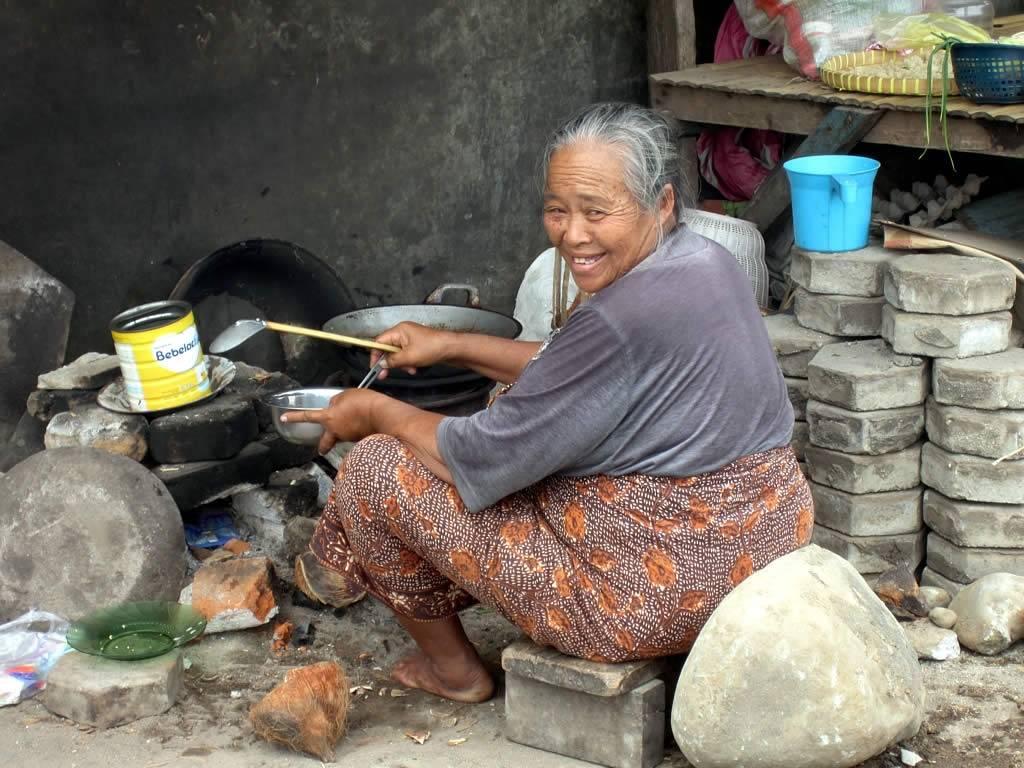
[{"x": 29, "y": 647}]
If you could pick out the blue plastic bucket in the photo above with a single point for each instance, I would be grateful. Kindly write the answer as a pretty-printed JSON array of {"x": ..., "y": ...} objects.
[{"x": 831, "y": 197}]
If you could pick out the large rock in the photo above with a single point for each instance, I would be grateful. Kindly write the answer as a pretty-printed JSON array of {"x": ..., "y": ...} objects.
[
  {"x": 92, "y": 426},
  {"x": 949, "y": 284},
  {"x": 81, "y": 529},
  {"x": 800, "y": 666},
  {"x": 990, "y": 613},
  {"x": 35, "y": 317},
  {"x": 867, "y": 376}
]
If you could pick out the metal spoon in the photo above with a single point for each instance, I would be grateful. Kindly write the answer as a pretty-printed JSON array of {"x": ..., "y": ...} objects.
[{"x": 242, "y": 330}]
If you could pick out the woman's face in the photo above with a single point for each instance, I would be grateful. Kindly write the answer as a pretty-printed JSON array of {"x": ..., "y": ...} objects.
[{"x": 591, "y": 218}]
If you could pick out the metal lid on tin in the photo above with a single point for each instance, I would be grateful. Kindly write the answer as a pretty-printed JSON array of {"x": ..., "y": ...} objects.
[{"x": 147, "y": 317}]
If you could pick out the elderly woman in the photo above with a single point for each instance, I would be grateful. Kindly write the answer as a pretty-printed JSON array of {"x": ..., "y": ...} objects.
[{"x": 636, "y": 472}]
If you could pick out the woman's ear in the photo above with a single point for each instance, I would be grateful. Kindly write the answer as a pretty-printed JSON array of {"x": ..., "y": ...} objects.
[{"x": 667, "y": 205}]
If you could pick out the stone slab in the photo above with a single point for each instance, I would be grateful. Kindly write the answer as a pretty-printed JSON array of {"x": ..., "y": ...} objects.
[
  {"x": 960, "y": 476},
  {"x": 949, "y": 284},
  {"x": 868, "y": 514},
  {"x": 798, "y": 392},
  {"x": 546, "y": 665},
  {"x": 254, "y": 384},
  {"x": 974, "y": 524},
  {"x": 44, "y": 404},
  {"x": 852, "y": 273},
  {"x": 873, "y": 554},
  {"x": 211, "y": 431},
  {"x": 625, "y": 731},
  {"x": 989, "y": 381},
  {"x": 283, "y": 454},
  {"x": 867, "y": 376},
  {"x": 944, "y": 335},
  {"x": 92, "y": 426},
  {"x": 794, "y": 345},
  {"x": 800, "y": 438},
  {"x": 974, "y": 431},
  {"x": 104, "y": 693},
  {"x": 93, "y": 370},
  {"x": 898, "y": 471},
  {"x": 968, "y": 564},
  {"x": 930, "y": 578},
  {"x": 195, "y": 483},
  {"x": 838, "y": 315},
  {"x": 864, "y": 432}
]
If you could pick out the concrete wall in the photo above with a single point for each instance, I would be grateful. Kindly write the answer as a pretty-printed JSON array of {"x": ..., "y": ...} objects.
[{"x": 396, "y": 139}]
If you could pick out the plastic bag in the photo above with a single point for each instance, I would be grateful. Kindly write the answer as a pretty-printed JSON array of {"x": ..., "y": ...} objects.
[
  {"x": 924, "y": 30},
  {"x": 29, "y": 647}
]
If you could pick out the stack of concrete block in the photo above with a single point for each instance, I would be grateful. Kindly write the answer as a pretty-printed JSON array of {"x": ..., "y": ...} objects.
[
  {"x": 866, "y": 417},
  {"x": 956, "y": 309}
]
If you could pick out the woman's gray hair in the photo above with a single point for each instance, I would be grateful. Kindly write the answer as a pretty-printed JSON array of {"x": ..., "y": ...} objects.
[{"x": 647, "y": 141}]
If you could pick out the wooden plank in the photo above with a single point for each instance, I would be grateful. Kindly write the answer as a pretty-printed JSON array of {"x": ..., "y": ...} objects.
[
  {"x": 840, "y": 131},
  {"x": 1005, "y": 26},
  {"x": 899, "y": 128},
  {"x": 670, "y": 35}
]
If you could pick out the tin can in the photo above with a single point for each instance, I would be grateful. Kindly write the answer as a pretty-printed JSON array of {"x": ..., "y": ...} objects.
[{"x": 161, "y": 359}]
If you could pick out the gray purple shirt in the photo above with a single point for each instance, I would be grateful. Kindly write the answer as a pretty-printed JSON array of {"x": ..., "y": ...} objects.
[{"x": 668, "y": 371}]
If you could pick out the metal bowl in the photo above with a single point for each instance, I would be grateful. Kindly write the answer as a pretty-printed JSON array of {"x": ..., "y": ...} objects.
[{"x": 312, "y": 399}]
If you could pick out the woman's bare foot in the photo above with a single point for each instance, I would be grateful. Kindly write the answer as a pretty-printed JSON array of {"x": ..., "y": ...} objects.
[{"x": 466, "y": 681}]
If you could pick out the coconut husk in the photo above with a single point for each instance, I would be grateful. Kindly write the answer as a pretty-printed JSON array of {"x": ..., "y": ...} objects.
[{"x": 307, "y": 711}]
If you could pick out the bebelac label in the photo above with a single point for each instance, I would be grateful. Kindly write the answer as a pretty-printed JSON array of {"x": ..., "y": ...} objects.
[{"x": 178, "y": 352}]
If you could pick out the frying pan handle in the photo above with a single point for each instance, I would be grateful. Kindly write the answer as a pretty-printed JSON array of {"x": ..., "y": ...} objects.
[{"x": 437, "y": 295}]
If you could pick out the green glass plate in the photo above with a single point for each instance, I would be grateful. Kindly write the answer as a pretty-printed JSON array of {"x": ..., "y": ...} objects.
[{"x": 136, "y": 630}]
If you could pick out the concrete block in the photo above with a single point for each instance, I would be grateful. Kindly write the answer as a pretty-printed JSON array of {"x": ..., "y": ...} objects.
[
  {"x": 867, "y": 376},
  {"x": 267, "y": 511},
  {"x": 945, "y": 335},
  {"x": 868, "y": 514},
  {"x": 968, "y": 564},
  {"x": 873, "y": 554},
  {"x": 103, "y": 693},
  {"x": 284, "y": 454},
  {"x": 852, "y": 273},
  {"x": 989, "y": 382},
  {"x": 899, "y": 471},
  {"x": 200, "y": 482},
  {"x": 960, "y": 476},
  {"x": 798, "y": 392},
  {"x": 949, "y": 284},
  {"x": 625, "y": 731},
  {"x": 974, "y": 524},
  {"x": 838, "y": 315},
  {"x": 93, "y": 370},
  {"x": 254, "y": 384},
  {"x": 546, "y": 665},
  {"x": 217, "y": 429},
  {"x": 232, "y": 595},
  {"x": 794, "y": 345},
  {"x": 974, "y": 431},
  {"x": 866, "y": 432},
  {"x": 800, "y": 438},
  {"x": 930, "y": 578}
]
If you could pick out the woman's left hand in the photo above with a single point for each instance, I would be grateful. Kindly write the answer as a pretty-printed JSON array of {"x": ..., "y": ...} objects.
[{"x": 346, "y": 419}]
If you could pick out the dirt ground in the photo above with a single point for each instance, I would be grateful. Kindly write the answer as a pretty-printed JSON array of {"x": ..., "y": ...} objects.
[{"x": 975, "y": 710}]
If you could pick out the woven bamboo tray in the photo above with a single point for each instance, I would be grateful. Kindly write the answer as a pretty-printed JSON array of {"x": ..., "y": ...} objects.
[{"x": 837, "y": 73}]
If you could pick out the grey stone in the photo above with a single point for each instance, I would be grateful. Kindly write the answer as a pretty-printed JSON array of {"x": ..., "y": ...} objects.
[
  {"x": 794, "y": 345},
  {"x": 945, "y": 335},
  {"x": 867, "y": 376},
  {"x": 92, "y": 426},
  {"x": 980, "y": 433},
  {"x": 324, "y": 482},
  {"x": 104, "y": 693},
  {"x": 932, "y": 642},
  {"x": 35, "y": 318},
  {"x": 797, "y": 390},
  {"x": 967, "y": 564},
  {"x": 930, "y": 578},
  {"x": 44, "y": 404},
  {"x": 799, "y": 439},
  {"x": 960, "y": 476},
  {"x": 211, "y": 431},
  {"x": 26, "y": 440},
  {"x": 81, "y": 529},
  {"x": 625, "y": 731},
  {"x": 975, "y": 524},
  {"x": 899, "y": 471},
  {"x": 92, "y": 370},
  {"x": 852, "y": 273},
  {"x": 949, "y": 284},
  {"x": 990, "y": 381},
  {"x": 865, "y": 432},
  {"x": 942, "y": 617},
  {"x": 196, "y": 483},
  {"x": 283, "y": 454},
  {"x": 783, "y": 690},
  {"x": 990, "y": 613},
  {"x": 266, "y": 511},
  {"x": 838, "y": 315},
  {"x": 254, "y": 384},
  {"x": 935, "y": 597},
  {"x": 873, "y": 554},
  {"x": 298, "y": 532},
  {"x": 867, "y": 514},
  {"x": 546, "y": 665}
]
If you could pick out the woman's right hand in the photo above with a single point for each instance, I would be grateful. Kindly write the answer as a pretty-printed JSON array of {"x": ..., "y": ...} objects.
[{"x": 420, "y": 346}]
